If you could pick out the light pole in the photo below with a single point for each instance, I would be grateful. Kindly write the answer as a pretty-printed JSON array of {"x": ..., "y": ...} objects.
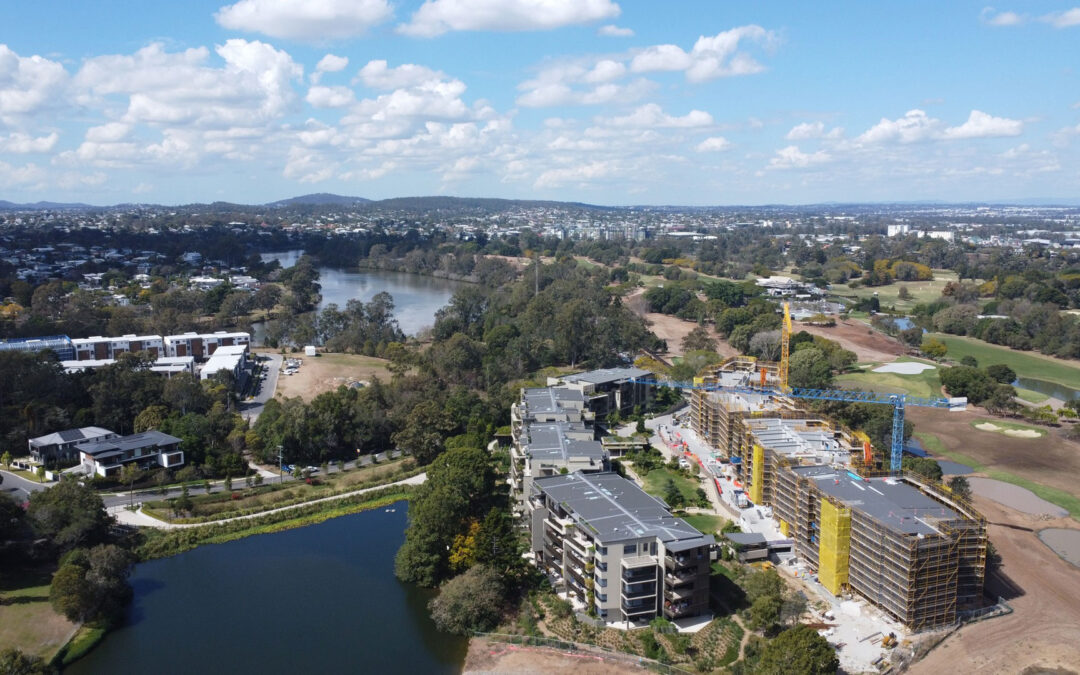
[{"x": 280, "y": 478}]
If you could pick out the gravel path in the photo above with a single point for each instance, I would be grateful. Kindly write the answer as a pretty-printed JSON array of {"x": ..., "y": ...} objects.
[{"x": 1015, "y": 497}]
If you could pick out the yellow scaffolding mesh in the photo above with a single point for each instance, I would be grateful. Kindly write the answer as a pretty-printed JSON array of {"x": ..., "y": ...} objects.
[
  {"x": 784, "y": 528},
  {"x": 757, "y": 476},
  {"x": 834, "y": 546}
]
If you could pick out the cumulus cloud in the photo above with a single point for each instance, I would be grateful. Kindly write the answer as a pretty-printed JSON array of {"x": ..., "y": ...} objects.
[
  {"x": 710, "y": 58},
  {"x": 21, "y": 143},
  {"x": 993, "y": 17},
  {"x": 914, "y": 126},
  {"x": 587, "y": 82},
  {"x": 714, "y": 144},
  {"x": 793, "y": 158},
  {"x": 581, "y": 173},
  {"x": 1065, "y": 19},
  {"x": 28, "y": 84},
  {"x": 436, "y": 17},
  {"x": 652, "y": 116},
  {"x": 982, "y": 125},
  {"x": 378, "y": 75},
  {"x": 305, "y": 20},
  {"x": 330, "y": 97},
  {"x": 329, "y": 64},
  {"x": 611, "y": 30}
]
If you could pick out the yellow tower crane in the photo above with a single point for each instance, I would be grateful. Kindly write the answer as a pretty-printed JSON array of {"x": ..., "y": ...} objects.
[{"x": 785, "y": 348}]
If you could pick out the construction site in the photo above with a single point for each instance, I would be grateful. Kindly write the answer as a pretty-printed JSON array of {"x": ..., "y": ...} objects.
[{"x": 844, "y": 509}]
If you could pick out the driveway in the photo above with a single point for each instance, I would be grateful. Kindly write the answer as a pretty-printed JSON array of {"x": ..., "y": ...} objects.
[
  {"x": 250, "y": 409},
  {"x": 20, "y": 488}
]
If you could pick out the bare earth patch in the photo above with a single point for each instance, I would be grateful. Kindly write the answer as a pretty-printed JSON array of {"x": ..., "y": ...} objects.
[
  {"x": 487, "y": 656},
  {"x": 327, "y": 372},
  {"x": 672, "y": 329},
  {"x": 1064, "y": 542},
  {"x": 1044, "y": 592},
  {"x": 867, "y": 343}
]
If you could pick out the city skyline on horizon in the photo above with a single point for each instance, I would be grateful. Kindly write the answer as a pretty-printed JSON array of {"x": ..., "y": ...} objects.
[{"x": 597, "y": 101}]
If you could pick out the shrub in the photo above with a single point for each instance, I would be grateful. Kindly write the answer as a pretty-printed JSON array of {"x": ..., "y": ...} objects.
[{"x": 472, "y": 601}]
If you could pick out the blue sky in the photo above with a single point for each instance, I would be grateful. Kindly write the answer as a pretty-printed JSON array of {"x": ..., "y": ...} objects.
[{"x": 604, "y": 101}]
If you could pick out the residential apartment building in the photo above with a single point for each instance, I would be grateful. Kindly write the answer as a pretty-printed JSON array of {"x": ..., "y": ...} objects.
[
  {"x": 63, "y": 446},
  {"x": 100, "y": 348},
  {"x": 610, "y": 389},
  {"x": 147, "y": 450},
  {"x": 225, "y": 358},
  {"x": 203, "y": 345},
  {"x": 616, "y": 549}
]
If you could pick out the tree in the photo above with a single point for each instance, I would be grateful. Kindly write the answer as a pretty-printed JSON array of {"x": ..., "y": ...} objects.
[
  {"x": 14, "y": 662},
  {"x": 1002, "y": 373},
  {"x": 472, "y": 601},
  {"x": 672, "y": 496},
  {"x": 183, "y": 503},
  {"x": 934, "y": 348},
  {"x": 798, "y": 650},
  {"x": 765, "y": 612},
  {"x": 699, "y": 339},
  {"x": 426, "y": 427},
  {"x": 924, "y": 466},
  {"x": 70, "y": 515},
  {"x": 6, "y": 459},
  {"x": 809, "y": 368},
  {"x": 903, "y": 293},
  {"x": 960, "y": 487},
  {"x": 130, "y": 474},
  {"x": 92, "y": 584}
]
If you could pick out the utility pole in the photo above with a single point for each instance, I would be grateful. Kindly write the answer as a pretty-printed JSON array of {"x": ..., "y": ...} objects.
[
  {"x": 280, "y": 478},
  {"x": 536, "y": 289}
]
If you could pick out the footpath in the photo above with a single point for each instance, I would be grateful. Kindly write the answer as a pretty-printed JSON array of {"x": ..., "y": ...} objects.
[{"x": 140, "y": 519}]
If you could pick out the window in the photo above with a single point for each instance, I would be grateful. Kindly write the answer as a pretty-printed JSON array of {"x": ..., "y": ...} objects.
[
  {"x": 601, "y": 597},
  {"x": 602, "y": 550},
  {"x": 629, "y": 548}
]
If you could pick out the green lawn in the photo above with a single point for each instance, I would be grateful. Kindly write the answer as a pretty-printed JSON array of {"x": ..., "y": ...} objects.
[
  {"x": 1026, "y": 364},
  {"x": 926, "y": 383},
  {"x": 1031, "y": 396},
  {"x": 1065, "y": 500},
  {"x": 708, "y": 524},
  {"x": 27, "y": 620},
  {"x": 921, "y": 291},
  {"x": 656, "y": 482}
]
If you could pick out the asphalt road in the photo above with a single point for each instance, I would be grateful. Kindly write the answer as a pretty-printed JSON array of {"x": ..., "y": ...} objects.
[
  {"x": 18, "y": 487},
  {"x": 250, "y": 409}
]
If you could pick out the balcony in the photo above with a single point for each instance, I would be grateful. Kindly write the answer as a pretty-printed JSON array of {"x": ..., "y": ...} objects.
[
  {"x": 675, "y": 610},
  {"x": 560, "y": 525},
  {"x": 680, "y": 578},
  {"x": 680, "y": 561},
  {"x": 678, "y": 594}
]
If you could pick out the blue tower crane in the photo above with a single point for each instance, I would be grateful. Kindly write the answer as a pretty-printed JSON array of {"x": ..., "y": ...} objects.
[{"x": 898, "y": 401}]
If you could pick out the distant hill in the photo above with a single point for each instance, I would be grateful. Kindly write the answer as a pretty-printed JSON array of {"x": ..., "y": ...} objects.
[
  {"x": 477, "y": 203},
  {"x": 43, "y": 206},
  {"x": 320, "y": 199}
]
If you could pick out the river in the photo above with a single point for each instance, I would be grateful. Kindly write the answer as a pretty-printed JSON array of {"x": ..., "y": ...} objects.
[
  {"x": 318, "y": 599},
  {"x": 416, "y": 297}
]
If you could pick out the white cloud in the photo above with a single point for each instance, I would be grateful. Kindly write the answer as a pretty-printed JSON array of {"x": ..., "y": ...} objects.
[
  {"x": 995, "y": 18},
  {"x": 377, "y": 75},
  {"x": 108, "y": 133},
  {"x": 982, "y": 125},
  {"x": 1065, "y": 19},
  {"x": 28, "y": 83},
  {"x": 330, "y": 63},
  {"x": 652, "y": 116},
  {"x": 330, "y": 97},
  {"x": 714, "y": 144},
  {"x": 305, "y": 20},
  {"x": 436, "y": 17},
  {"x": 711, "y": 57},
  {"x": 811, "y": 130},
  {"x": 914, "y": 126},
  {"x": 20, "y": 143},
  {"x": 793, "y": 158},
  {"x": 28, "y": 174},
  {"x": 581, "y": 173},
  {"x": 611, "y": 30},
  {"x": 605, "y": 70}
]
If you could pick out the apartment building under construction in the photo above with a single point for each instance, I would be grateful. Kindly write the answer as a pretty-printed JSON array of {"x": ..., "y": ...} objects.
[{"x": 904, "y": 543}]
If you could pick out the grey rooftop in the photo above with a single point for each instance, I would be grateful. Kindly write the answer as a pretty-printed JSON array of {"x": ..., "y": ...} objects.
[{"x": 607, "y": 375}]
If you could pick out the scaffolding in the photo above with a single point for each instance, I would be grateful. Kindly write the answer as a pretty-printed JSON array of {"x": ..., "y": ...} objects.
[
  {"x": 757, "y": 475},
  {"x": 834, "y": 547}
]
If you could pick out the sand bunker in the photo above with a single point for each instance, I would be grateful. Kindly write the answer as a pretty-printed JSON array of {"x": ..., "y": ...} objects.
[
  {"x": 1015, "y": 497},
  {"x": 1066, "y": 543},
  {"x": 1014, "y": 433},
  {"x": 905, "y": 368}
]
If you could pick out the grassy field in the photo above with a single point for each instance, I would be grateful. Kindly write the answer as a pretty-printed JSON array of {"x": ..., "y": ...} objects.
[
  {"x": 1003, "y": 426},
  {"x": 706, "y": 523},
  {"x": 27, "y": 620},
  {"x": 656, "y": 482},
  {"x": 926, "y": 383},
  {"x": 1031, "y": 396},
  {"x": 1065, "y": 500},
  {"x": 921, "y": 291},
  {"x": 1026, "y": 364}
]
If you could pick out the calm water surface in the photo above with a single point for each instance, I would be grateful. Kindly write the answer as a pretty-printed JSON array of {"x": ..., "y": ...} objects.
[
  {"x": 416, "y": 298},
  {"x": 319, "y": 599}
]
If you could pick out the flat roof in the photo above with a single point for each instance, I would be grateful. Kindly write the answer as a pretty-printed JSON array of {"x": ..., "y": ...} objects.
[
  {"x": 616, "y": 509},
  {"x": 890, "y": 501},
  {"x": 551, "y": 399},
  {"x": 794, "y": 437},
  {"x": 549, "y": 441},
  {"x": 607, "y": 375}
]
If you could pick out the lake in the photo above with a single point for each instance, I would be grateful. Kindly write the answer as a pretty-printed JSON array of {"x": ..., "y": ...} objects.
[
  {"x": 318, "y": 599},
  {"x": 416, "y": 297},
  {"x": 1053, "y": 389}
]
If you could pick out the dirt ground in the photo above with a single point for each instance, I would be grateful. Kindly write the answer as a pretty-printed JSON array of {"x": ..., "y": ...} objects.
[
  {"x": 1043, "y": 632},
  {"x": 486, "y": 656},
  {"x": 868, "y": 344},
  {"x": 672, "y": 328},
  {"x": 327, "y": 372},
  {"x": 1051, "y": 460}
]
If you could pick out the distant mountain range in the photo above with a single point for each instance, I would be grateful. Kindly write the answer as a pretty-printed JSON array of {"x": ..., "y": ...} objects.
[{"x": 436, "y": 203}]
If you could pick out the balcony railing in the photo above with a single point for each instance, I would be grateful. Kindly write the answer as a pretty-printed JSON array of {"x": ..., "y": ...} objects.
[{"x": 678, "y": 594}]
